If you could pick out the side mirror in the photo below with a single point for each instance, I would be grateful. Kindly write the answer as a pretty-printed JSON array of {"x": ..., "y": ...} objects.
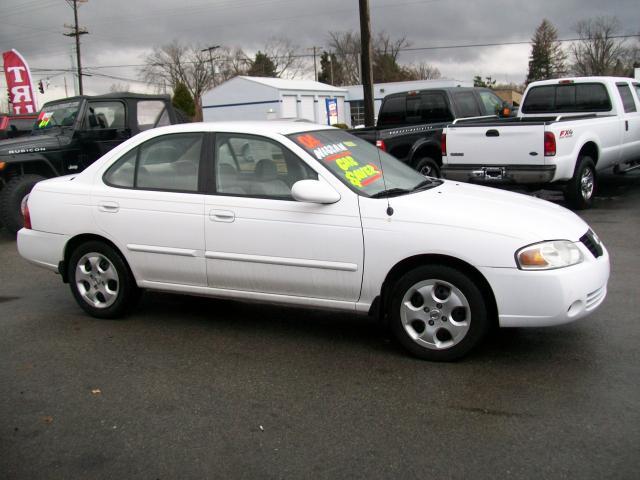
[
  {"x": 505, "y": 111},
  {"x": 314, "y": 191}
]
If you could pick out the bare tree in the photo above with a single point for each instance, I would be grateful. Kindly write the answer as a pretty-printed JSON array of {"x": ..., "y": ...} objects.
[
  {"x": 598, "y": 52},
  {"x": 120, "y": 87},
  {"x": 346, "y": 48},
  {"x": 177, "y": 63},
  {"x": 230, "y": 62},
  {"x": 282, "y": 53},
  {"x": 423, "y": 71}
]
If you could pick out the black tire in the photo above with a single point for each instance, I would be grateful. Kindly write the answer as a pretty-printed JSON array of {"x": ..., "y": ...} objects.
[
  {"x": 447, "y": 333},
  {"x": 96, "y": 262},
  {"x": 428, "y": 167},
  {"x": 580, "y": 190},
  {"x": 11, "y": 198}
]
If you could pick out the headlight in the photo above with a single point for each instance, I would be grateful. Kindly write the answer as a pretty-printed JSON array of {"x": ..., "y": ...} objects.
[{"x": 548, "y": 255}]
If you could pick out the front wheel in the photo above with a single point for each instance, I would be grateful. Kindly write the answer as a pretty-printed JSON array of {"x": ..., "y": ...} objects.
[
  {"x": 428, "y": 167},
  {"x": 580, "y": 190},
  {"x": 101, "y": 281},
  {"x": 438, "y": 313},
  {"x": 11, "y": 198}
]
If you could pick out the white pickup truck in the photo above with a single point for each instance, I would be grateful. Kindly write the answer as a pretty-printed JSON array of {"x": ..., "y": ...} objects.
[{"x": 565, "y": 132}]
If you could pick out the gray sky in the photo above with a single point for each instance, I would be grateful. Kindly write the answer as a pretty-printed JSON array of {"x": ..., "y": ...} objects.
[{"x": 122, "y": 31}]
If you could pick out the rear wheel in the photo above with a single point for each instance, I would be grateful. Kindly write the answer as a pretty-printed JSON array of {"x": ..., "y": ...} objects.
[
  {"x": 11, "y": 197},
  {"x": 580, "y": 190},
  {"x": 438, "y": 313},
  {"x": 428, "y": 167},
  {"x": 101, "y": 281}
]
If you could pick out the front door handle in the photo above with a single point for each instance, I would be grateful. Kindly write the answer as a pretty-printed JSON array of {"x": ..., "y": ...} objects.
[
  {"x": 626, "y": 125},
  {"x": 492, "y": 133},
  {"x": 222, "y": 216},
  {"x": 109, "y": 207}
]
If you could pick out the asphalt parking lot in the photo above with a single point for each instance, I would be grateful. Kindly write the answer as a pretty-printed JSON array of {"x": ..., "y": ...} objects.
[{"x": 198, "y": 388}]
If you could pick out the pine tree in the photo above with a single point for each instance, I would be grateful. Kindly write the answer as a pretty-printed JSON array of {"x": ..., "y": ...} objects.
[
  {"x": 547, "y": 58},
  {"x": 183, "y": 100},
  {"x": 262, "y": 66}
]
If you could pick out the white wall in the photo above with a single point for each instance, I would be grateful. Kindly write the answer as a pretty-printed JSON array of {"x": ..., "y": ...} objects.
[{"x": 240, "y": 99}]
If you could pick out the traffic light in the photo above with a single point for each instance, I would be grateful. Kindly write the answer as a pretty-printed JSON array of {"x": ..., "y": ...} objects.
[{"x": 41, "y": 86}]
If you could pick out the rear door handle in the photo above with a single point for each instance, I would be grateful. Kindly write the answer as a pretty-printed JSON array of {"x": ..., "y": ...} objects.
[
  {"x": 109, "y": 207},
  {"x": 492, "y": 133},
  {"x": 222, "y": 216}
]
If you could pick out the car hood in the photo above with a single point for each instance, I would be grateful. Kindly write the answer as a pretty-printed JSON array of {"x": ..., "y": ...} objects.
[
  {"x": 30, "y": 144},
  {"x": 491, "y": 210}
]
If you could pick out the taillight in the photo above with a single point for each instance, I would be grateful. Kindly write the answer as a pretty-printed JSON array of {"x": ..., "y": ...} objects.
[
  {"x": 380, "y": 144},
  {"x": 549, "y": 144},
  {"x": 443, "y": 143},
  {"x": 24, "y": 208},
  {"x": 4, "y": 123}
]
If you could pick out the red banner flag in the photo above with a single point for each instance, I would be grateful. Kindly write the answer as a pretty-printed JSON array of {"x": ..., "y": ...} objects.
[{"x": 16, "y": 71}]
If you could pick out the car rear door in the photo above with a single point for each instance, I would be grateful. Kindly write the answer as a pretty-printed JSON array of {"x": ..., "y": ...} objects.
[{"x": 150, "y": 203}]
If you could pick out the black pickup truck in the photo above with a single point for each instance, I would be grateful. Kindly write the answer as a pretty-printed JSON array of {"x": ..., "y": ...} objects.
[
  {"x": 70, "y": 134},
  {"x": 410, "y": 124}
]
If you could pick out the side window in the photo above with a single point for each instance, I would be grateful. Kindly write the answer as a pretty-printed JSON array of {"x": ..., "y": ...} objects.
[
  {"x": 492, "y": 104},
  {"x": 170, "y": 162},
  {"x": 122, "y": 173},
  {"x": 466, "y": 103},
  {"x": 392, "y": 111},
  {"x": 150, "y": 114},
  {"x": 434, "y": 108},
  {"x": 103, "y": 115},
  {"x": 627, "y": 97},
  {"x": 255, "y": 166}
]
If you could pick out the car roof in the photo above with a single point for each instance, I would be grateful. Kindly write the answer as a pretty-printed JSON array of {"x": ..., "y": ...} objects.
[{"x": 258, "y": 127}]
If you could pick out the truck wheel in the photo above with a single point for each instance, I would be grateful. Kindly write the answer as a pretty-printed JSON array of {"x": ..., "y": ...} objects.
[
  {"x": 580, "y": 190},
  {"x": 11, "y": 198},
  {"x": 438, "y": 313},
  {"x": 100, "y": 280},
  {"x": 428, "y": 167}
]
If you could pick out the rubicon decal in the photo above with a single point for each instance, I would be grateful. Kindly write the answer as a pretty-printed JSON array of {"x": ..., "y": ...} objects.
[{"x": 27, "y": 150}]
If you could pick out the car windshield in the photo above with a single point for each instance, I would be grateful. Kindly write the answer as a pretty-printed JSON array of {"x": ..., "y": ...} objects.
[
  {"x": 57, "y": 115},
  {"x": 360, "y": 165}
]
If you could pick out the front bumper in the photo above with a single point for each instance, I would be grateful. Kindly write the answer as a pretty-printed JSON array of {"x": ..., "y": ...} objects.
[
  {"x": 552, "y": 297},
  {"x": 500, "y": 174},
  {"x": 42, "y": 248}
]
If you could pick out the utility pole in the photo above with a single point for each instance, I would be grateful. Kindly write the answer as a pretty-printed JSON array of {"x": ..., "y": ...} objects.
[
  {"x": 76, "y": 32},
  {"x": 213, "y": 70},
  {"x": 366, "y": 69},
  {"x": 315, "y": 66}
]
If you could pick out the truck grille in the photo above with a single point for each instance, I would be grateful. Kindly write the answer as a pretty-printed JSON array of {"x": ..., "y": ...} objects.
[{"x": 591, "y": 241}]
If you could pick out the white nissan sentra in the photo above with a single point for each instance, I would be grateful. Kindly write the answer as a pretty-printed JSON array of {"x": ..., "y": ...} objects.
[{"x": 308, "y": 215}]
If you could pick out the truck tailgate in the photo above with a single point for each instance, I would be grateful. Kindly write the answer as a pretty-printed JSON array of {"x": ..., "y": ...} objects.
[{"x": 493, "y": 144}]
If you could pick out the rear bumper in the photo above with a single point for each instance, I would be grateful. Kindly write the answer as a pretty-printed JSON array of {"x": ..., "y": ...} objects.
[
  {"x": 500, "y": 174},
  {"x": 42, "y": 248}
]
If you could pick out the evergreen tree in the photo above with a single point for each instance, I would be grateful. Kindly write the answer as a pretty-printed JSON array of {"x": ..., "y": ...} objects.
[
  {"x": 183, "y": 100},
  {"x": 262, "y": 66},
  {"x": 547, "y": 58}
]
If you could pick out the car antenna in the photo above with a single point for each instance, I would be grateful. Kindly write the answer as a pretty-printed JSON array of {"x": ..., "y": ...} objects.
[{"x": 384, "y": 182}]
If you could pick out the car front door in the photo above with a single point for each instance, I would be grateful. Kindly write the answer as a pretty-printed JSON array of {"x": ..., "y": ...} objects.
[
  {"x": 150, "y": 204},
  {"x": 259, "y": 239}
]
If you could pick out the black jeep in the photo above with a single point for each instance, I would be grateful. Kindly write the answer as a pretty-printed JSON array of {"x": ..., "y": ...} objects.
[{"x": 70, "y": 134}]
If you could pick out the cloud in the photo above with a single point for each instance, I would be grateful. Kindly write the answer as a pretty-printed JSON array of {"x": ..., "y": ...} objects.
[{"x": 120, "y": 32}]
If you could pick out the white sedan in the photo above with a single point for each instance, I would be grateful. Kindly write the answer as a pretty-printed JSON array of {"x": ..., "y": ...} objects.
[{"x": 309, "y": 215}]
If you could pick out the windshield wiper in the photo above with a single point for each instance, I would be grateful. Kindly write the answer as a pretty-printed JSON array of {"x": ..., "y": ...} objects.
[
  {"x": 426, "y": 183},
  {"x": 392, "y": 192}
]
